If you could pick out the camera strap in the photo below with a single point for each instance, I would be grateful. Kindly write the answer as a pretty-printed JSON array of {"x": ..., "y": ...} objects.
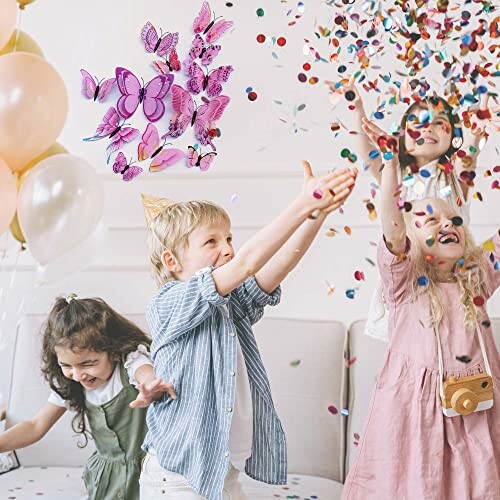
[{"x": 440, "y": 356}]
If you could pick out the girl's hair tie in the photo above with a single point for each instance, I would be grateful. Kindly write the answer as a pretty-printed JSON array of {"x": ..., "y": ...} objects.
[{"x": 70, "y": 297}]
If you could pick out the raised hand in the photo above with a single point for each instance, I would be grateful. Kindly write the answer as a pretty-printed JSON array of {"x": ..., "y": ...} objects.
[
  {"x": 152, "y": 390},
  {"x": 386, "y": 144},
  {"x": 328, "y": 192}
]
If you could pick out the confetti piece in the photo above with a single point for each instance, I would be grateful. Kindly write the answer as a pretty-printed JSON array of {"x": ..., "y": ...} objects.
[
  {"x": 260, "y": 12},
  {"x": 359, "y": 276},
  {"x": 348, "y": 230},
  {"x": 422, "y": 281},
  {"x": 234, "y": 198},
  {"x": 478, "y": 301},
  {"x": 333, "y": 410},
  {"x": 350, "y": 362},
  {"x": 430, "y": 240},
  {"x": 295, "y": 363},
  {"x": 489, "y": 246},
  {"x": 463, "y": 359},
  {"x": 350, "y": 293},
  {"x": 344, "y": 412}
]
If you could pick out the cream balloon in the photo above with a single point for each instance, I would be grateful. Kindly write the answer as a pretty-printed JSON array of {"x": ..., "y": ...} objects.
[
  {"x": 8, "y": 13},
  {"x": 60, "y": 204},
  {"x": 55, "y": 149},
  {"x": 8, "y": 196},
  {"x": 21, "y": 42},
  {"x": 33, "y": 107}
]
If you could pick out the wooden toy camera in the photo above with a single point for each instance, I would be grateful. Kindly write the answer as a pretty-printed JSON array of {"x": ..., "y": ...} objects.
[{"x": 467, "y": 394}]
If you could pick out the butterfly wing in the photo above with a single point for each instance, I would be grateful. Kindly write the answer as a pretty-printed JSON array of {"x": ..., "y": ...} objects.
[
  {"x": 173, "y": 59},
  {"x": 131, "y": 173},
  {"x": 183, "y": 105},
  {"x": 161, "y": 67},
  {"x": 123, "y": 136},
  {"x": 196, "y": 78},
  {"x": 105, "y": 88},
  {"x": 197, "y": 46},
  {"x": 167, "y": 43},
  {"x": 165, "y": 158},
  {"x": 218, "y": 29},
  {"x": 202, "y": 20},
  {"x": 206, "y": 117},
  {"x": 192, "y": 157},
  {"x": 216, "y": 77},
  {"x": 109, "y": 124},
  {"x": 130, "y": 88},
  {"x": 149, "y": 37},
  {"x": 210, "y": 54},
  {"x": 149, "y": 144},
  {"x": 206, "y": 160},
  {"x": 154, "y": 93},
  {"x": 88, "y": 84},
  {"x": 120, "y": 163}
]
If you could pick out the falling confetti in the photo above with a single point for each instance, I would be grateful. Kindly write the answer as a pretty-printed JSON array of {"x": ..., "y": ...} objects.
[{"x": 295, "y": 363}]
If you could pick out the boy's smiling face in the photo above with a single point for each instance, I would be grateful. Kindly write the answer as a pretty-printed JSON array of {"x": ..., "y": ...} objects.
[{"x": 208, "y": 245}]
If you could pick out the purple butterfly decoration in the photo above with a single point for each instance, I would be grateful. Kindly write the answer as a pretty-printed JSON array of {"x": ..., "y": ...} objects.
[
  {"x": 128, "y": 171},
  {"x": 96, "y": 89},
  {"x": 150, "y": 95},
  {"x": 202, "y": 119},
  {"x": 212, "y": 30},
  {"x": 160, "y": 45},
  {"x": 118, "y": 134},
  {"x": 205, "y": 52},
  {"x": 211, "y": 82},
  {"x": 195, "y": 159}
]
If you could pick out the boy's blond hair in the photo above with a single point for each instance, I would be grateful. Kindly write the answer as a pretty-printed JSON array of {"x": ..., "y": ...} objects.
[{"x": 169, "y": 226}]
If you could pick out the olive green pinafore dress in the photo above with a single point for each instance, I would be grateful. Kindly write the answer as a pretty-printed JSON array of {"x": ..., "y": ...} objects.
[{"x": 112, "y": 472}]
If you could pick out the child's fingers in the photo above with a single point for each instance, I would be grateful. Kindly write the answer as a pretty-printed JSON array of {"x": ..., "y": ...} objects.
[
  {"x": 307, "y": 169},
  {"x": 339, "y": 173}
]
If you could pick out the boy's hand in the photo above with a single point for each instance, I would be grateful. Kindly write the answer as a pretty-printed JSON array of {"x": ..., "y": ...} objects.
[
  {"x": 328, "y": 192},
  {"x": 150, "y": 391},
  {"x": 385, "y": 143}
]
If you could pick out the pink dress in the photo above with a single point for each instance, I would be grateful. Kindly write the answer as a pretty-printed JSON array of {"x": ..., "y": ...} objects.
[{"x": 409, "y": 450}]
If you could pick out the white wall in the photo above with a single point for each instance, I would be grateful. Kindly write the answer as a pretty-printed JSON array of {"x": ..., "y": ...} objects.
[{"x": 259, "y": 157}]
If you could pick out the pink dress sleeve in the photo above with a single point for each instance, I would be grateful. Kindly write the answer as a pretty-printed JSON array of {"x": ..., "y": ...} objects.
[
  {"x": 395, "y": 274},
  {"x": 491, "y": 264}
]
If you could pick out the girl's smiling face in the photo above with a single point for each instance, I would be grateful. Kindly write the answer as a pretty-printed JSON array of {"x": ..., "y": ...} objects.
[
  {"x": 90, "y": 368},
  {"x": 438, "y": 231},
  {"x": 430, "y": 141}
]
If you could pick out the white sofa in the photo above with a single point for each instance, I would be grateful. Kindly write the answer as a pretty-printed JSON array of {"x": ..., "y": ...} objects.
[{"x": 305, "y": 361}]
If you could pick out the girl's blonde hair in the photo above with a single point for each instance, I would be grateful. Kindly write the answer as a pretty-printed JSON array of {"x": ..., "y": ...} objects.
[
  {"x": 170, "y": 230},
  {"x": 468, "y": 274}
]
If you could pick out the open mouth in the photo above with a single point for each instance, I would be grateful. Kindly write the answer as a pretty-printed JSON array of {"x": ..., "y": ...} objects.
[
  {"x": 448, "y": 238},
  {"x": 429, "y": 140},
  {"x": 89, "y": 381}
]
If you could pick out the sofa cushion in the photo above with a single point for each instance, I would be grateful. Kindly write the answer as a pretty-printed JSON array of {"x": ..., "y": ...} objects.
[{"x": 304, "y": 362}]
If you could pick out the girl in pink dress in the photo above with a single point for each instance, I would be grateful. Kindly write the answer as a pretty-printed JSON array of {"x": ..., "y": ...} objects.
[{"x": 436, "y": 282}]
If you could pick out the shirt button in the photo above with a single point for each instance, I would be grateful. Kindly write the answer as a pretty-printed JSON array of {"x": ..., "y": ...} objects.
[
  {"x": 229, "y": 409},
  {"x": 232, "y": 374},
  {"x": 232, "y": 334},
  {"x": 119, "y": 494},
  {"x": 226, "y": 454}
]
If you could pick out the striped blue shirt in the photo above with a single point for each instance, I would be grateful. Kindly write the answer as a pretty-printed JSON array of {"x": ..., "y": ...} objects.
[{"x": 194, "y": 346}]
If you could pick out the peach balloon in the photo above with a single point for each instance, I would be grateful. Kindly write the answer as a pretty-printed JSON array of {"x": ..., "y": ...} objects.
[
  {"x": 21, "y": 42},
  {"x": 8, "y": 13},
  {"x": 8, "y": 195},
  {"x": 33, "y": 107}
]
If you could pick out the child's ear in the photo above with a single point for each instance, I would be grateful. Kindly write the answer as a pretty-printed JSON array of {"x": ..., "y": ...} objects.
[{"x": 170, "y": 262}]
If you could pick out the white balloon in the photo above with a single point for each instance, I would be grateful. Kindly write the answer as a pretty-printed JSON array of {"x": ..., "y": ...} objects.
[{"x": 60, "y": 204}]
